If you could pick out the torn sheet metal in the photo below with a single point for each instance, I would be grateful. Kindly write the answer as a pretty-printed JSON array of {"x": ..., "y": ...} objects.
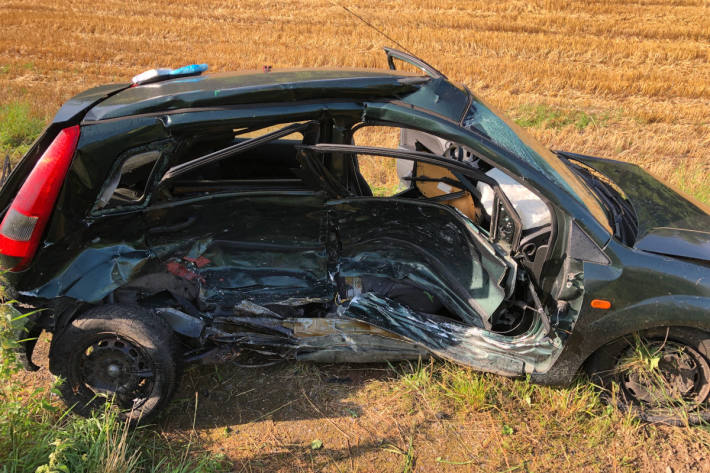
[
  {"x": 315, "y": 339},
  {"x": 249, "y": 308},
  {"x": 95, "y": 273},
  {"x": 469, "y": 346},
  {"x": 181, "y": 322},
  {"x": 335, "y": 340},
  {"x": 425, "y": 245}
]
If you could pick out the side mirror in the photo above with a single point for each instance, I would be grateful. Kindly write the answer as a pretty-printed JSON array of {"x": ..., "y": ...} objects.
[{"x": 506, "y": 227}]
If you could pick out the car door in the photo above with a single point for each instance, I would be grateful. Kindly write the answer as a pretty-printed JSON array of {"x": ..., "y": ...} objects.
[
  {"x": 421, "y": 243},
  {"x": 437, "y": 250},
  {"x": 249, "y": 232},
  {"x": 424, "y": 245}
]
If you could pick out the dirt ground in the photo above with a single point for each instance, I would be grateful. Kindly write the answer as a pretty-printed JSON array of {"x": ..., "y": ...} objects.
[{"x": 303, "y": 417}]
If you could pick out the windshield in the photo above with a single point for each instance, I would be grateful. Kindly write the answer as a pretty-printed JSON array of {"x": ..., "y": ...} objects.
[{"x": 484, "y": 120}]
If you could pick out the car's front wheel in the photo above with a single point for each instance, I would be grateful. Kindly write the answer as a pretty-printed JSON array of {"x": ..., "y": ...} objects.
[
  {"x": 664, "y": 373},
  {"x": 118, "y": 353}
]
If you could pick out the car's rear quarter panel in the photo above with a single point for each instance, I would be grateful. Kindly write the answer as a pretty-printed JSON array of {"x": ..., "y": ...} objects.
[{"x": 72, "y": 230}]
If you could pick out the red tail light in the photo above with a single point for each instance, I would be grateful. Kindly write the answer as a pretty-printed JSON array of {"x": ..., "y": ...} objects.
[{"x": 24, "y": 223}]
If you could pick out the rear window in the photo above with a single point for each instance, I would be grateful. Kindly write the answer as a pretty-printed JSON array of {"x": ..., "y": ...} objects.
[{"x": 128, "y": 185}]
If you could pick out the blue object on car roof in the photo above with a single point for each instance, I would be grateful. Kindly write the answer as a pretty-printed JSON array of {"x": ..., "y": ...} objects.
[{"x": 155, "y": 75}]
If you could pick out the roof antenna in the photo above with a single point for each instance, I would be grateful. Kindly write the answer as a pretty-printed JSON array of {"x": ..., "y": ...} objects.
[{"x": 371, "y": 26}]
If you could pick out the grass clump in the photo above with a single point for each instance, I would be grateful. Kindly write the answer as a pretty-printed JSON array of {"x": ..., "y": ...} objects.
[
  {"x": 693, "y": 179},
  {"x": 447, "y": 386},
  {"x": 543, "y": 116},
  {"x": 19, "y": 128}
]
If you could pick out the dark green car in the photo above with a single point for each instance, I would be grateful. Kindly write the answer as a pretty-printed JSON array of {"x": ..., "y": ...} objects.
[{"x": 345, "y": 216}]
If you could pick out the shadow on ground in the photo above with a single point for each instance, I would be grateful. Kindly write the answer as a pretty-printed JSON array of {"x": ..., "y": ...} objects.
[{"x": 229, "y": 396}]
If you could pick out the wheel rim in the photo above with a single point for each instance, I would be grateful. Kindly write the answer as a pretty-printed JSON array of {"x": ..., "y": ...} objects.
[
  {"x": 119, "y": 369},
  {"x": 670, "y": 374}
]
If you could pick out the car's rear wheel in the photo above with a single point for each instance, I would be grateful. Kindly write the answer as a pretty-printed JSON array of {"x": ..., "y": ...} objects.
[
  {"x": 118, "y": 353},
  {"x": 663, "y": 374}
]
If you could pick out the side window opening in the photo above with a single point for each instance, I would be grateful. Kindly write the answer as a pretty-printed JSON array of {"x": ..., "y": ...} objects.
[
  {"x": 438, "y": 184},
  {"x": 406, "y": 179},
  {"x": 238, "y": 159},
  {"x": 381, "y": 174},
  {"x": 129, "y": 183},
  {"x": 388, "y": 177},
  {"x": 479, "y": 204}
]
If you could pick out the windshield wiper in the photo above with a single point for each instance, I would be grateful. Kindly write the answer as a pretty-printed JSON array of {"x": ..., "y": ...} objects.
[
  {"x": 621, "y": 213},
  {"x": 613, "y": 208}
]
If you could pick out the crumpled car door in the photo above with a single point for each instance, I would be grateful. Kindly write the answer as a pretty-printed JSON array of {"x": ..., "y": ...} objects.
[
  {"x": 425, "y": 245},
  {"x": 435, "y": 249},
  {"x": 244, "y": 246}
]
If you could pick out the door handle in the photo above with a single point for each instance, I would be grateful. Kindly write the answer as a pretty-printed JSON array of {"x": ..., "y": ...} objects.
[{"x": 173, "y": 228}]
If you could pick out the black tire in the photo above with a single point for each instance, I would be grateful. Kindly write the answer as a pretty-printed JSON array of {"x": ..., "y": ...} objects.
[
  {"x": 121, "y": 353},
  {"x": 684, "y": 355}
]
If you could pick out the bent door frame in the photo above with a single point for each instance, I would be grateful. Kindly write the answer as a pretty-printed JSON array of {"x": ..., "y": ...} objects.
[
  {"x": 334, "y": 187},
  {"x": 473, "y": 346}
]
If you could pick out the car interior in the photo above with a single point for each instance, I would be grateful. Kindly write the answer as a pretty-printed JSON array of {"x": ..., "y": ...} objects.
[
  {"x": 473, "y": 200},
  {"x": 274, "y": 165}
]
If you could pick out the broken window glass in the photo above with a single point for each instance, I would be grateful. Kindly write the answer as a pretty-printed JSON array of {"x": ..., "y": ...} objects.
[{"x": 128, "y": 185}]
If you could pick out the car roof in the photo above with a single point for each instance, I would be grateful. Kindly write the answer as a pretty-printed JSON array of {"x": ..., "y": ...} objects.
[{"x": 257, "y": 87}]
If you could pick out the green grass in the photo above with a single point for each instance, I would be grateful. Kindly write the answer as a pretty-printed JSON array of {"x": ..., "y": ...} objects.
[
  {"x": 543, "y": 116},
  {"x": 19, "y": 128},
  {"x": 582, "y": 417},
  {"x": 693, "y": 180}
]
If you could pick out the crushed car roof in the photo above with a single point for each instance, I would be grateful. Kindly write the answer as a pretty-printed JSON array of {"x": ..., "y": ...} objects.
[{"x": 226, "y": 89}]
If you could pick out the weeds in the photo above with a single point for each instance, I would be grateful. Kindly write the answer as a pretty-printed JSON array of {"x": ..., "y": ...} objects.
[
  {"x": 102, "y": 443},
  {"x": 19, "y": 128},
  {"x": 542, "y": 116},
  {"x": 409, "y": 459},
  {"x": 533, "y": 424}
]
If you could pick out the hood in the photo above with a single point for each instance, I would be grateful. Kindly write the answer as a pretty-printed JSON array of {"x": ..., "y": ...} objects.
[
  {"x": 669, "y": 221},
  {"x": 676, "y": 242}
]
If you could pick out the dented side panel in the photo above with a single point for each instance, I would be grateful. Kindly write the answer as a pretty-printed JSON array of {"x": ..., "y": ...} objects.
[
  {"x": 95, "y": 273},
  {"x": 470, "y": 346},
  {"x": 259, "y": 247},
  {"x": 424, "y": 245}
]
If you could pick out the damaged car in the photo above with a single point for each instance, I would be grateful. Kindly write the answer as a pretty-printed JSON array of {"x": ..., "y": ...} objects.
[{"x": 197, "y": 217}]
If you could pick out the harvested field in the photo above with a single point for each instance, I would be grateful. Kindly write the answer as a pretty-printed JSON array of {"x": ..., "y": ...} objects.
[
  {"x": 624, "y": 80},
  {"x": 639, "y": 72}
]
